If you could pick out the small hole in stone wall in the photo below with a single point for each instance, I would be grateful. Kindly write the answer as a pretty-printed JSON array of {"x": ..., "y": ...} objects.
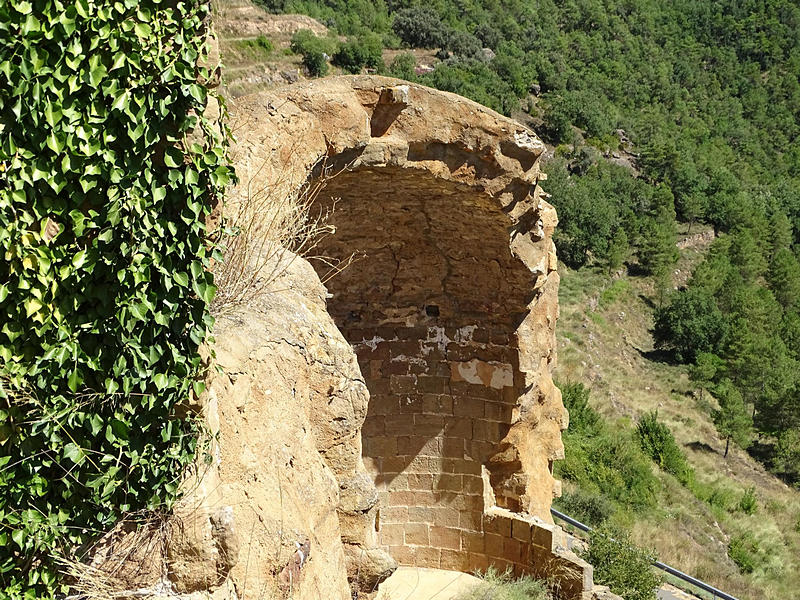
[
  {"x": 432, "y": 310},
  {"x": 550, "y": 466},
  {"x": 378, "y": 520}
]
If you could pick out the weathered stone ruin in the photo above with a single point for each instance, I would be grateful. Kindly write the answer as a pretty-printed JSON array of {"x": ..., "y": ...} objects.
[
  {"x": 404, "y": 415},
  {"x": 450, "y": 306}
]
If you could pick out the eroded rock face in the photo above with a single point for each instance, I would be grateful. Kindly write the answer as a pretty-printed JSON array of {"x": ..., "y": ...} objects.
[
  {"x": 290, "y": 401},
  {"x": 451, "y": 306}
]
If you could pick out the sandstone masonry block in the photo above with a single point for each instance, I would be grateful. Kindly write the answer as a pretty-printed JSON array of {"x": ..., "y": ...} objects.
[{"x": 417, "y": 534}]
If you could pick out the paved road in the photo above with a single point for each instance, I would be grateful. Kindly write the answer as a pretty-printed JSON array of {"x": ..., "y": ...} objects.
[
  {"x": 670, "y": 592},
  {"x": 414, "y": 583}
]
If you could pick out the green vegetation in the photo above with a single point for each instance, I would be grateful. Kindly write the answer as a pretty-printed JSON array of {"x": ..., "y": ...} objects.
[
  {"x": 352, "y": 56},
  {"x": 659, "y": 444},
  {"x": 744, "y": 550},
  {"x": 745, "y": 349},
  {"x": 626, "y": 569},
  {"x": 504, "y": 586},
  {"x": 748, "y": 504},
  {"x": 604, "y": 461},
  {"x": 357, "y": 54},
  {"x": 261, "y": 45},
  {"x": 690, "y": 525},
  {"x": 314, "y": 50},
  {"x": 109, "y": 171}
]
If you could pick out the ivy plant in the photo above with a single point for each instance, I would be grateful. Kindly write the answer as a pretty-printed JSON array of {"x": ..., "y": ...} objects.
[{"x": 108, "y": 170}]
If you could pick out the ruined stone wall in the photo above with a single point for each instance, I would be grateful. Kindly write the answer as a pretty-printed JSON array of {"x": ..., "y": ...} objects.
[
  {"x": 450, "y": 306},
  {"x": 428, "y": 433}
]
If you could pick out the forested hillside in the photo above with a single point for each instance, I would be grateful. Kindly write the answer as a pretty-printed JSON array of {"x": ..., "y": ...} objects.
[{"x": 704, "y": 98}]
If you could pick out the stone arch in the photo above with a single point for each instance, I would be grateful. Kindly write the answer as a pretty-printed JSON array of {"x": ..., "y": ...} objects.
[{"x": 451, "y": 312}]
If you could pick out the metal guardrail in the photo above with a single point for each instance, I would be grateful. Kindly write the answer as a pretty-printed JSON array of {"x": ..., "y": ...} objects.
[{"x": 658, "y": 564}]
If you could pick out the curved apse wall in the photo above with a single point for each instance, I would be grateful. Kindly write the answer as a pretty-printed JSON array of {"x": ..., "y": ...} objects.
[{"x": 451, "y": 308}]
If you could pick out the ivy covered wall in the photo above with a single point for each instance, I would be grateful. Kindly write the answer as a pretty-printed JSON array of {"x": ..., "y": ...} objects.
[{"x": 108, "y": 172}]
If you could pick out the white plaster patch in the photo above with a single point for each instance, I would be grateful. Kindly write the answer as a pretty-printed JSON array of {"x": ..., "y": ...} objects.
[
  {"x": 502, "y": 376},
  {"x": 464, "y": 334},
  {"x": 436, "y": 335},
  {"x": 373, "y": 343},
  {"x": 496, "y": 375},
  {"x": 412, "y": 360}
]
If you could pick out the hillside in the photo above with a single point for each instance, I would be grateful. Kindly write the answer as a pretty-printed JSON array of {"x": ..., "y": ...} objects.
[{"x": 604, "y": 341}]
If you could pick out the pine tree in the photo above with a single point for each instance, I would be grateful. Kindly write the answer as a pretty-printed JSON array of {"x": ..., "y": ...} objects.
[
  {"x": 780, "y": 232},
  {"x": 733, "y": 420},
  {"x": 617, "y": 250},
  {"x": 657, "y": 250},
  {"x": 706, "y": 369},
  {"x": 784, "y": 278}
]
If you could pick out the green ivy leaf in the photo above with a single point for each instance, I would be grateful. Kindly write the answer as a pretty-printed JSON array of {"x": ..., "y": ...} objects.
[
  {"x": 139, "y": 311},
  {"x": 143, "y": 30},
  {"x": 18, "y": 535},
  {"x": 73, "y": 452},
  {"x": 161, "y": 381},
  {"x": 181, "y": 278},
  {"x": 75, "y": 380},
  {"x": 173, "y": 157}
]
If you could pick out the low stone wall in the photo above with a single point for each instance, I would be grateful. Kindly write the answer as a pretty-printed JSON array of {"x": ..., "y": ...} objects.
[{"x": 527, "y": 545}]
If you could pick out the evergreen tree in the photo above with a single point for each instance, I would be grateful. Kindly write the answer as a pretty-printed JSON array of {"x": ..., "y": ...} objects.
[
  {"x": 657, "y": 250},
  {"x": 787, "y": 454},
  {"x": 781, "y": 235},
  {"x": 733, "y": 420},
  {"x": 784, "y": 278},
  {"x": 617, "y": 250},
  {"x": 690, "y": 324},
  {"x": 706, "y": 369},
  {"x": 747, "y": 254}
]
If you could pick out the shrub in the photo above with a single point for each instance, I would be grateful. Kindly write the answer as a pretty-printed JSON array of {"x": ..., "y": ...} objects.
[
  {"x": 659, "y": 444},
  {"x": 743, "y": 550},
  {"x": 748, "y": 503},
  {"x": 611, "y": 463},
  {"x": 315, "y": 63},
  {"x": 623, "y": 567},
  {"x": 504, "y": 586},
  {"x": 262, "y": 43},
  {"x": 305, "y": 40},
  {"x": 419, "y": 27},
  {"x": 314, "y": 50},
  {"x": 720, "y": 498},
  {"x": 403, "y": 66},
  {"x": 510, "y": 70},
  {"x": 557, "y": 124},
  {"x": 590, "y": 508},
  {"x": 365, "y": 51},
  {"x": 462, "y": 44},
  {"x": 601, "y": 461},
  {"x": 575, "y": 396}
]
